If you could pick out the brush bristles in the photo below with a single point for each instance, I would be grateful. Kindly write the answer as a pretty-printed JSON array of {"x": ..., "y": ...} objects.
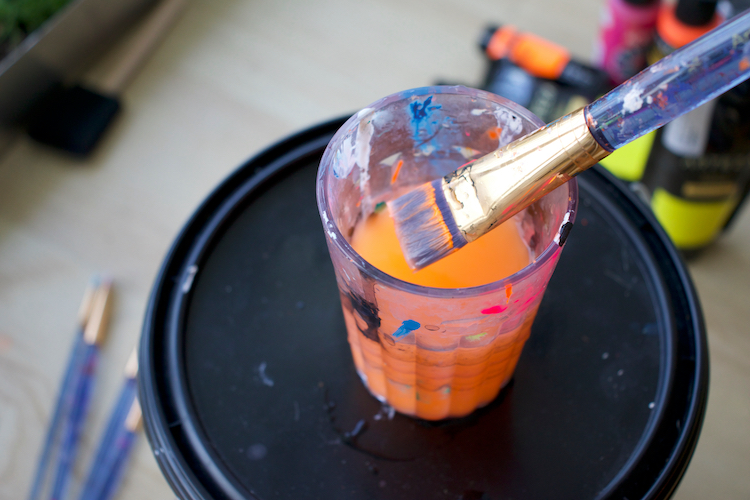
[{"x": 425, "y": 226}]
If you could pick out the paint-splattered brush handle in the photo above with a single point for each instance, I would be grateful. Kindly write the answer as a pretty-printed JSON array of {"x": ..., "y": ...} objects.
[
  {"x": 107, "y": 458},
  {"x": 117, "y": 460},
  {"x": 93, "y": 335},
  {"x": 65, "y": 397},
  {"x": 678, "y": 83},
  {"x": 74, "y": 425},
  {"x": 60, "y": 416}
]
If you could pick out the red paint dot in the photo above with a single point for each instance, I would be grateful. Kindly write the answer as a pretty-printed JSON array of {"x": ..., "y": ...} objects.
[{"x": 494, "y": 309}]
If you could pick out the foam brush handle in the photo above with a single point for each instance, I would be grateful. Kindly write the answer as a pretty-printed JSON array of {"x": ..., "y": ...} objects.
[
  {"x": 147, "y": 37},
  {"x": 72, "y": 431},
  {"x": 678, "y": 83}
]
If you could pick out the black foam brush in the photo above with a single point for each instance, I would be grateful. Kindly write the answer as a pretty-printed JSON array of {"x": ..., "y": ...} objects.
[{"x": 74, "y": 118}]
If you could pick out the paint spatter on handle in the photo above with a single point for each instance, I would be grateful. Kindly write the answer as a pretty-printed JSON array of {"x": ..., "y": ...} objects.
[
  {"x": 633, "y": 100},
  {"x": 661, "y": 100},
  {"x": 406, "y": 328},
  {"x": 495, "y": 309},
  {"x": 744, "y": 64},
  {"x": 508, "y": 291}
]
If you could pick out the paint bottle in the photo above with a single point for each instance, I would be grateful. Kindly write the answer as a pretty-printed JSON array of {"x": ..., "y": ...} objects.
[
  {"x": 676, "y": 25},
  {"x": 543, "y": 59},
  {"x": 728, "y": 9},
  {"x": 680, "y": 23},
  {"x": 698, "y": 166},
  {"x": 547, "y": 99},
  {"x": 695, "y": 196},
  {"x": 626, "y": 33}
]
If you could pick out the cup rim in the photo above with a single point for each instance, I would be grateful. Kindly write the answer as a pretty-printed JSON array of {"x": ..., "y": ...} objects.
[{"x": 334, "y": 233}]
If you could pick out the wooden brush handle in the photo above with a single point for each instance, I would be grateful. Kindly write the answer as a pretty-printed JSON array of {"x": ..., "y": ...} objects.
[{"x": 146, "y": 38}]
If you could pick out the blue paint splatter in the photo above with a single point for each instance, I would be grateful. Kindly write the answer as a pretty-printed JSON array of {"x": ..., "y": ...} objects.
[
  {"x": 419, "y": 112},
  {"x": 426, "y": 126},
  {"x": 406, "y": 327},
  {"x": 424, "y": 129}
]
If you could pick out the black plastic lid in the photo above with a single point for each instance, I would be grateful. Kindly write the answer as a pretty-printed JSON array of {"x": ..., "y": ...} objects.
[
  {"x": 695, "y": 12},
  {"x": 249, "y": 391}
]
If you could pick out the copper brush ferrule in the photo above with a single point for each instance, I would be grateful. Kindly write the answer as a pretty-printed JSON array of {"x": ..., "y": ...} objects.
[{"x": 495, "y": 187}]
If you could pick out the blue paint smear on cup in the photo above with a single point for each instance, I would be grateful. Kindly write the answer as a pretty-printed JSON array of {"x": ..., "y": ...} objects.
[
  {"x": 406, "y": 327},
  {"x": 424, "y": 127},
  {"x": 419, "y": 111}
]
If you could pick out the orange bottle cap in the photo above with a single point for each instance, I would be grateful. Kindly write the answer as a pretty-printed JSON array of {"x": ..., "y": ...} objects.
[
  {"x": 536, "y": 55},
  {"x": 675, "y": 33}
]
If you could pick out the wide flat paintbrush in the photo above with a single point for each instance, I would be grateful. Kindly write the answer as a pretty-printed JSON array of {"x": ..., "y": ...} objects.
[{"x": 437, "y": 218}]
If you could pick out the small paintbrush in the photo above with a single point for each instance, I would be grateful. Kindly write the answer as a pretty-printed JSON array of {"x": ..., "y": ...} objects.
[
  {"x": 437, "y": 218},
  {"x": 116, "y": 443},
  {"x": 93, "y": 335},
  {"x": 66, "y": 396}
]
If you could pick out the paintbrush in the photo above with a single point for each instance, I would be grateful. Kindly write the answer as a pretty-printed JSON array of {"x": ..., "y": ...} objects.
[
  {"x": 93, "y": 335},
  {"x": 65, "y": 395},
  {"x": 115, "y": 444},
  {"x": 74, "y": 118},
  {"x": 117, "y": 459},
  {"x": 437, "y": 218}
]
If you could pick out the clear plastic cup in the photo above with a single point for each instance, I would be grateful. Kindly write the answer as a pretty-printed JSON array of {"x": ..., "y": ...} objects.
[{"x": 433, "y": 353}]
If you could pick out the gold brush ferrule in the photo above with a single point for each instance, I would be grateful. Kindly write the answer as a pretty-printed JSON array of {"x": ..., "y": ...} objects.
[
  {"x": 131, "y": 367},
  {"x": 134, "y": 417},
  {"x": 96, "y": 326},
  {"x": 497, "y": 186},
  {"x": 84, "y": 311}
]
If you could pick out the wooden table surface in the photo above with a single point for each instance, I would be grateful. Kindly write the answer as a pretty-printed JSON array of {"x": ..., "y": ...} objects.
[{"x": 232, "y": 77}]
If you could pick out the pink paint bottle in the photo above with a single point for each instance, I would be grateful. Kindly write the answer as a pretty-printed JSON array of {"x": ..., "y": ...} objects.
[{"x": 625, "y": 35}]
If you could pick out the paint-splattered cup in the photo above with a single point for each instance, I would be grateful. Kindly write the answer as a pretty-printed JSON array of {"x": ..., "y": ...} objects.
[{"x": 432, "y": 353}]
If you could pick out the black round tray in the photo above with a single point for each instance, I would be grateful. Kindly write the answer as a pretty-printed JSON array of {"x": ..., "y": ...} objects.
[{"x": 249, "y": 391}]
